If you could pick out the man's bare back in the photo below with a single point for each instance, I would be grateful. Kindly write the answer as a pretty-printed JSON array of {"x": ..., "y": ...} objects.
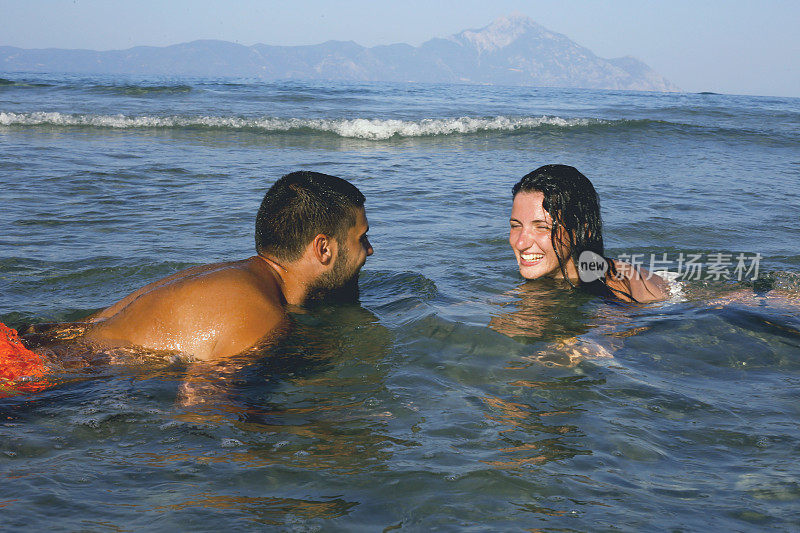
[
  {"x": 311, "y": 238},
  {"x": 209, "y": 312}
]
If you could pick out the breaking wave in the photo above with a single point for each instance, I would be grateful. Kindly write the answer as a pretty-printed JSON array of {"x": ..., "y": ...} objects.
[{"x": 359, "y": 128}]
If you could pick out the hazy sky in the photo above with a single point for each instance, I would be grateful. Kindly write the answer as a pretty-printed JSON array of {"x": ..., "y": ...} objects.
[{"x": 733, "y": 46}]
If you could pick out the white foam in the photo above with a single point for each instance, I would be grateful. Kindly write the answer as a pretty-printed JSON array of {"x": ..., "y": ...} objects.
[
  {"x": 676, "y": 293},
  {"x": 359, "y": 128}
]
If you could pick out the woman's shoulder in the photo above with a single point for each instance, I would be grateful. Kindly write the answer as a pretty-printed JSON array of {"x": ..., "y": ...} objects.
[{"x": 636, "y": 282}]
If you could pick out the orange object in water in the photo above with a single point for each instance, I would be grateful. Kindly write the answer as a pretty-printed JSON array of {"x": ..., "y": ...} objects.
[{"x": 21, "y": 370}]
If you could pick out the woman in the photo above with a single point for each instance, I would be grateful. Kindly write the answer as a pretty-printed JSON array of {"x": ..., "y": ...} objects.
[{"x": 557, "y": 232}]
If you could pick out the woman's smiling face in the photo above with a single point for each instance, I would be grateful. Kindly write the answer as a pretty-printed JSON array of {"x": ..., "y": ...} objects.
[{"x": 531, "y": 227}]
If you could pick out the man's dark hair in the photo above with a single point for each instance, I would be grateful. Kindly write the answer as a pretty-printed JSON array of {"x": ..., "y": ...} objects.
[{"x": 300, "y": 206}]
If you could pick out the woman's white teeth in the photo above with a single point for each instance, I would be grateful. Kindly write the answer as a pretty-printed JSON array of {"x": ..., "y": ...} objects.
[{"x": 532, "y": 257}]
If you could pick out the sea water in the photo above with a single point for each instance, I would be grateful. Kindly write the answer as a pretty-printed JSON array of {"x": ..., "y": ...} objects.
[{"x": 454, "y": 396}]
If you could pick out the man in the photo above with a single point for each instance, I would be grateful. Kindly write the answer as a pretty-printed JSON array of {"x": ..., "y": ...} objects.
[{"x": 311, "y": 240}]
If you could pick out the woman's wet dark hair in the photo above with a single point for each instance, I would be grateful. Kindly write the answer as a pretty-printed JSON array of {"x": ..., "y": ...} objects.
[
  {"x": 300, "y": 206},
  {"x": 572, "y": 202}
]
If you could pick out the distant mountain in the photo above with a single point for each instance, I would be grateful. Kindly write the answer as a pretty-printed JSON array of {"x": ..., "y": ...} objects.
[{"x": 512, "y": 50}]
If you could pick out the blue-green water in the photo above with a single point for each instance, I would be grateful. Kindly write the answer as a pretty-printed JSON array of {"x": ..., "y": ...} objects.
[{"x": 454, "y": 397}]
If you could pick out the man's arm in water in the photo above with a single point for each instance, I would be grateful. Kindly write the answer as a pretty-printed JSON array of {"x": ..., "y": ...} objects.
[{"x": 208, "y": 313}]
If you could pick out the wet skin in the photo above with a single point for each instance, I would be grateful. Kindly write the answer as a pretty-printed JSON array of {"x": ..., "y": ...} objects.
[{"x": 218, "y": 310}]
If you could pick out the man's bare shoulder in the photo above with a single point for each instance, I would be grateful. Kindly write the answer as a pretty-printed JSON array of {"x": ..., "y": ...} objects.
[{"x": 242, "y": 279}]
